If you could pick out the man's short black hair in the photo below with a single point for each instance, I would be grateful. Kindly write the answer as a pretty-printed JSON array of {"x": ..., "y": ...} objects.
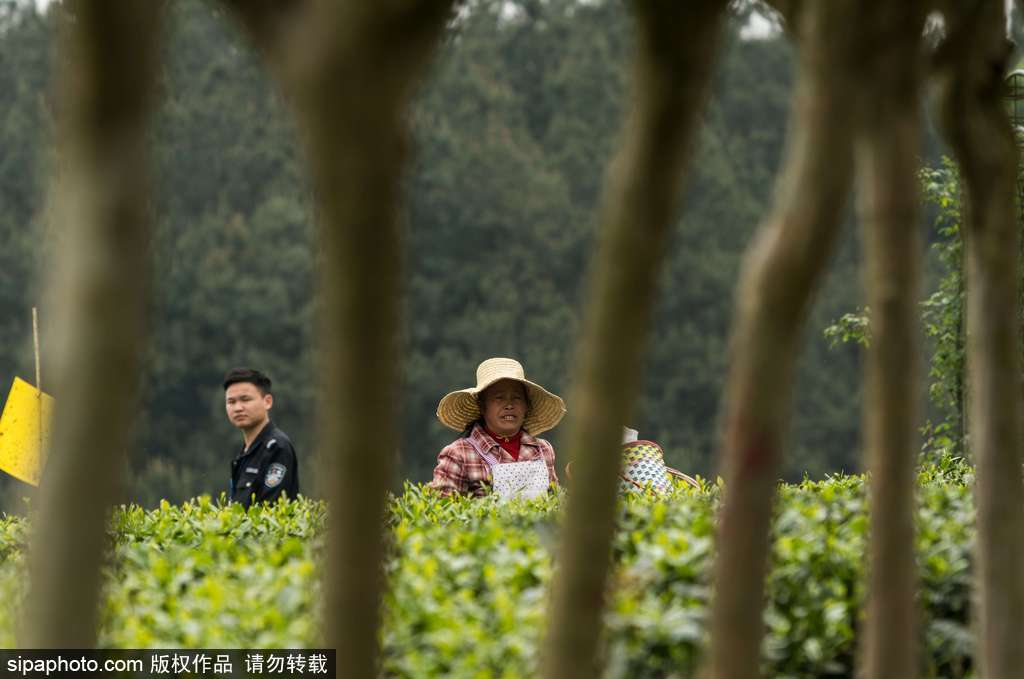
[{"x": 254, "y": 377}]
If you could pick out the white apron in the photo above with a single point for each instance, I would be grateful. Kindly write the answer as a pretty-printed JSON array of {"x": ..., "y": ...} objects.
[{"x": 526, "y": 480}]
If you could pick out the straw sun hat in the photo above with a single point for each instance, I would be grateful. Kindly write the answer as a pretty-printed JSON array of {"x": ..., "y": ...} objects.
[{"x": 459, "y": 408}]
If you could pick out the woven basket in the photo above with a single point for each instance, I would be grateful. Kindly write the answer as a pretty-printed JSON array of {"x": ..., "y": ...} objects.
[{"x": 644, "y": 470}]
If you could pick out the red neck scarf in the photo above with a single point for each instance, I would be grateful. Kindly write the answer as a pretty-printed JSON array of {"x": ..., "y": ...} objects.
[{"x": 509, "y": 443}]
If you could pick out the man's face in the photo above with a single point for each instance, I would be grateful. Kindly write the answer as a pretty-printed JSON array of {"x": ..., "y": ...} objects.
[
  {"x": 246, "y": 406},
  {"x": 505, "y": 407}
]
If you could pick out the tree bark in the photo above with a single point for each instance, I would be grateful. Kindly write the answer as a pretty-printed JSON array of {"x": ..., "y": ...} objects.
[
  {"x": 887, "y": 140},
  {"x": 781, "y": 270},
  {"x": 674, "y": 59},
  {"x": 99, "y": 289},
  {"x": 350, "y": 68},
  {"x": 970, "y": 65}
]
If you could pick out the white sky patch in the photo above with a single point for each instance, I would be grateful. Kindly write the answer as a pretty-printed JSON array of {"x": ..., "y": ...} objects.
[
  {"x": 759, "y": 27},
  {"x": 510, "y": 11}
]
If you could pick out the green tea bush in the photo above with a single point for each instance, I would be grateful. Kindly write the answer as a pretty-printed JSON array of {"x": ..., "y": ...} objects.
[
  {"x": 468, "y": 579},
  {"x": 198, "y": 575}
]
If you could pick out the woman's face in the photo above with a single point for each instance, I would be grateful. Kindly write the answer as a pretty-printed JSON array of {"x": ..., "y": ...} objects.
[{"x": 505, "y": 407}]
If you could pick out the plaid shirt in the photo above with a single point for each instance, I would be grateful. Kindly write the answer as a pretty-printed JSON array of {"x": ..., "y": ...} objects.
[{"x": 460, "y": 469}]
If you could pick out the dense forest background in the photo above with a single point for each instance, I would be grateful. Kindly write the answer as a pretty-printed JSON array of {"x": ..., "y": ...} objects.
[{"x": 513, "y": 131}]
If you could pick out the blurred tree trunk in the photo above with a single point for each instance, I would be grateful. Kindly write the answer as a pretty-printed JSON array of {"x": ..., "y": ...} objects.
[
  {"x": 781, "y": 270},
  {"x": 350, "y": 68},
  {"x": 100, "y": 283},
  {"x": 970, "y": 65},
  {"x": 886, "y": 149},
  {"x": 676, "y": 46}
]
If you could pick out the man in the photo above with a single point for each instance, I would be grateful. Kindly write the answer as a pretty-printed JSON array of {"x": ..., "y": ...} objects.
[{"x": 266, "y": 466}]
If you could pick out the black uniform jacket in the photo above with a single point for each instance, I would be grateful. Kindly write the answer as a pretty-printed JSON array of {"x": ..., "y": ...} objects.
[{"x": 267, "y": 469}]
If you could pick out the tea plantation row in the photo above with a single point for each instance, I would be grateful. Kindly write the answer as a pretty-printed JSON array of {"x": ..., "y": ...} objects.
[{"x": 468, "y": 579}]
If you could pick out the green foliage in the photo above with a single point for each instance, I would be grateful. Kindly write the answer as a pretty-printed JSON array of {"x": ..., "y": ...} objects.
[
  {"x": 942, "y": 315},
  {"x": 850, "y": 328},
  {"x": 468, "y": 579},
  {"x": 816, "y": 583},
  {"x": 943, "y": 311},
  {"x": 214, "y": 575},
  {"x": 201, "y": 574},
  {"x": 467, "y": 585}
]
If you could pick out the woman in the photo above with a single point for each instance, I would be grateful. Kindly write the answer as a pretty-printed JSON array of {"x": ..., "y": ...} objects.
[{"x": 499, "y": 419}]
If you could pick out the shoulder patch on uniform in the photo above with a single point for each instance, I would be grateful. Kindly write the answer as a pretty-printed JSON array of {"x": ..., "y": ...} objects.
[{"x": 275, "y": 475}]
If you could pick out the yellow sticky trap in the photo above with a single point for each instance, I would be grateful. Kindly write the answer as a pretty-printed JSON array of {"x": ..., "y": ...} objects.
[{"x": 23, "y": 446}]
